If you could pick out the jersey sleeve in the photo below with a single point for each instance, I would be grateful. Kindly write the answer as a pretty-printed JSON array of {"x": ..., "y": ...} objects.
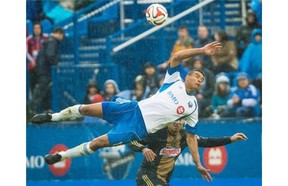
[
  {"x": 138, "y": 145},
  {"x": 191, "y": 121},
  {"x": 212, "y": 142},
  {"x": 175, "y": 74}
]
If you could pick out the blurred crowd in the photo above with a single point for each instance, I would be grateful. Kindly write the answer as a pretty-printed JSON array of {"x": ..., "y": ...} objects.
[{"x": 233, "y": 76}]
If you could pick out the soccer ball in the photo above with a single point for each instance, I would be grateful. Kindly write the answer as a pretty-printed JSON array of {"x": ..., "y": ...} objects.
[{"x": 156, "y": 14}]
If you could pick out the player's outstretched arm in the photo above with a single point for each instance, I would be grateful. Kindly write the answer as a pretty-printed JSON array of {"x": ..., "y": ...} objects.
[
  {"x": 215, "y": 142},
  {"x": 193, "y": 147},
  {"x": 208, "y": 49}
]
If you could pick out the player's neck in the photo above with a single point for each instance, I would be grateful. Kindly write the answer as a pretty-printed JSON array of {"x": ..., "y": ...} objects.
[{"x": 189, "y": 90}]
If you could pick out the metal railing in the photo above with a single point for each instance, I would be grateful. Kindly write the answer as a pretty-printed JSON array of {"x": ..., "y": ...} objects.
[{"x": 156, "y": 28}]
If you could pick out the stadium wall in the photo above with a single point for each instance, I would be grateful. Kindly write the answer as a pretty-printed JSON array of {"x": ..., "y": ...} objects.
[{"x": 235, "y": 164}]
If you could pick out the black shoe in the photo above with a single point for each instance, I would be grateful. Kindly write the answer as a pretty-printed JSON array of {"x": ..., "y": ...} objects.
[
  {"x": 41, "y": 118},
  {"x": 52, "y": 158}
]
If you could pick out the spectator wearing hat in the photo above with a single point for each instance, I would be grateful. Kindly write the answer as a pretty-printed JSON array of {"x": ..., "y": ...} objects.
[
  {"x": 244, "y": 99},
  {"x": 110, "y": 89},
  {"x": 221, "y": 95},
  {"x": 48, "y": 56},
  {"x": 251, "y": 61},
  {"x": 244, "y": 32}
]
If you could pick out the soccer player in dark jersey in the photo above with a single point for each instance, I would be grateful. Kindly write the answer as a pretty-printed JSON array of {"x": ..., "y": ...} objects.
[{"x": 163, "y": 149}]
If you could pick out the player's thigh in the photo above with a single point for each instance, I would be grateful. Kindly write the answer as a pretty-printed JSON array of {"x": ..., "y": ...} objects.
[{"x": 94, "y": 109}]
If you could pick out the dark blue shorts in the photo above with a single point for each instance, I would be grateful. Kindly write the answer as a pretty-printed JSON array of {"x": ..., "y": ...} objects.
[{"x": 128, "y": 120}]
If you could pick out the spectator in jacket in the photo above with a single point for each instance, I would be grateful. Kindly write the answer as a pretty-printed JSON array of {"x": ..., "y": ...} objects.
[
  {"x": 48, "y": 56},
  {"x": 226, "y": 59},
  {"x": 139, "y": 91},
  {"x": 183, "y": 42},
  {"x": 110, "y": 89},
  {"x": 244, "y": 33},
  {"x": 92, "y": 90},
  {"x": 202, "y": 40},
  {"x": 151, "y": 78},
  {"x": 221, "y": 95},
  {"x": 251, "y": 61},
  {"x": 33, "y": 45},
  {"x": 256, "y": 6},
  {"x": 204, "y": 95},
  {"x": 244, "y": 99}
]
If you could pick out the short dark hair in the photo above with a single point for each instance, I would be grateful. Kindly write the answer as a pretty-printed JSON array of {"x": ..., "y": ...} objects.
[
  {"x": 183, "y": 27},
  {"x": 197, "y": 70},
  {"x": 58, "y": 30}
]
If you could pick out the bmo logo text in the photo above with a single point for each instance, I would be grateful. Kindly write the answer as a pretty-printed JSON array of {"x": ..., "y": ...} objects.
[
  {"x": 62, "y": 167},
  {"x": 215, "y": 158},
  {"x": 35, "y": 162}
]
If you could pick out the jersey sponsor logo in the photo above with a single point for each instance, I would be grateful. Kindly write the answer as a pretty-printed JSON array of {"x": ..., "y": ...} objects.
[
  {"x": 170, "y": 152},
  {"x": 173, "y": 97},
  {"x": 180, "y": 110},
  {"x": 62, "y": 167},
  {"x": 215, "y": 158}
]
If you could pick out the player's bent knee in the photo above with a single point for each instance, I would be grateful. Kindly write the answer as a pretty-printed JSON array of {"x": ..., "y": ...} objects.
[
  {"x": 91, "y": 110},
  {"x": 99, "y": 143}
]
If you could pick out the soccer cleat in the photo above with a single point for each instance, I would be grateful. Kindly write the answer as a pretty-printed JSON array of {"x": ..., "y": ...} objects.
[
  {"x": 52, "y": 158},
  {"x": 41, "y": 118}
]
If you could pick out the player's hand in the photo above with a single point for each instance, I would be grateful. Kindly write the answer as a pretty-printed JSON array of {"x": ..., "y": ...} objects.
[
  {"x": 204, "y": 173},
  {"x": 238, "y": 136},
  {"x": 149, "y": 154},
  {"x": 235, "y": 99},
  {"x": 212, "y": 48}
]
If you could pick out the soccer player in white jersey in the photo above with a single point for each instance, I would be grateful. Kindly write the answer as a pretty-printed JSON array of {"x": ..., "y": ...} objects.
[{"x": 134, "y": 120}]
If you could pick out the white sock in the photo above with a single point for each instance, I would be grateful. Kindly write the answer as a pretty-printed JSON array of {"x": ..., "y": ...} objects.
[
  {"x": 80, "y": 150},
  {"x": 68, "y": 113},
  {"x": 56, "y": 117}
]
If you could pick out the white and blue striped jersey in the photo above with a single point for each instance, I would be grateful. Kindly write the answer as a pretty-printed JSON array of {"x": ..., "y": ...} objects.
[{"x": 170, "y": 103}]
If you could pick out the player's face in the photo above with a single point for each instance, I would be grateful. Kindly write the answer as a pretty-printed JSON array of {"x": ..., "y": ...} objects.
[
  {"x": 194, "y": 80},
  {"x": 175, "y": 127}
]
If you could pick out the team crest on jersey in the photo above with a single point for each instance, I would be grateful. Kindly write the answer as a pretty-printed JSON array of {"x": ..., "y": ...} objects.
[
  {"x": 190, "y": 104},
  {"x": 180, "y": 110},
  {"x": 170, "y": 152}
]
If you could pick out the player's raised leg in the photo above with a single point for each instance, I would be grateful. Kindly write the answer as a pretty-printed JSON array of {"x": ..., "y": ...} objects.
[
  {"x": 80, "y": 150},
  {"x": 70, "y": 113}
]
